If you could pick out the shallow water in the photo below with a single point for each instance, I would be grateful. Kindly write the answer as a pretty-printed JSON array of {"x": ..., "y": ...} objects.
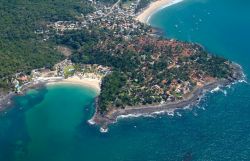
[{"x": 49, "y": 124}]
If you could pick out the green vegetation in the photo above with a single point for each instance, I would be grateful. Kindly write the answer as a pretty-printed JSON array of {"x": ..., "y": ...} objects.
[
  {"x": 139, "y": 67},
  {"x": 21, "y": 48},
  {"x": 69, "y": 71},
  {"x": 108, "y": 1},
  {"x": 142, "y": 4},
  {"x": 145, "y": 69},
  {"x": 110, "y": 88}
]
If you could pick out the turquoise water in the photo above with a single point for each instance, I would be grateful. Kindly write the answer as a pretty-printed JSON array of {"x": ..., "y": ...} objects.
[
  {"x": 222, "y": 27},
  {"x": 49, "y": 124}
]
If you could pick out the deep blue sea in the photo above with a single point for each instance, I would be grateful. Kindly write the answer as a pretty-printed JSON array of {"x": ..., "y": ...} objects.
[{"x": 49, "y": 124}]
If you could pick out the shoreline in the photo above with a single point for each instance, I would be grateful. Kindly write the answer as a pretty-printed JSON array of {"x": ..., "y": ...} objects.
[
  {"x": 155, "y": 6},
  {"x": 104, "y": 120},
  {"x": 93, "y": 84}
]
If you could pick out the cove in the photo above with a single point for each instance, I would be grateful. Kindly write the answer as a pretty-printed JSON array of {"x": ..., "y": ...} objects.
[
  {"x": 49, "y": 124},
  {"x": 45, "y": 123}
]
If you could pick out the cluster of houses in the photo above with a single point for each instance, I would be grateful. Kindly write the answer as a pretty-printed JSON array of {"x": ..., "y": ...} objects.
[
  {"x": 19, "y": 81},
  {"x": 59, "y": 72},
  {"x": 66, "y": 25},
  {"x": 176, "y": 55},
  {"x": 93, "y": 71},
  {"x": 117, "y": 18},
  {"x": 60, "y": 68}
]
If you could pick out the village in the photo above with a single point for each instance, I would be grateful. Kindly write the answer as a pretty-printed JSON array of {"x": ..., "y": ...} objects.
[
  {"x": 61, "y": 71},
  {"x": 166, "y": 69},
  {"x": 119, "y": 18}
]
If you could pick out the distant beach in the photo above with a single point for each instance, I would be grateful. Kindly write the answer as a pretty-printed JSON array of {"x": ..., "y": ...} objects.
[{"x": 145, "y": 15}]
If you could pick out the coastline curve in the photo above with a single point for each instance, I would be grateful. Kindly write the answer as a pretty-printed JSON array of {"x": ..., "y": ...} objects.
[{"x": 145, "y": 15}]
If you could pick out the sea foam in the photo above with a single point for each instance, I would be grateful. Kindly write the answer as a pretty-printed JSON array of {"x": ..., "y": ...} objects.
[
  {"x": 216, "y": 89},
  {"x": 103, "y": 130},
  {"x": 133, "y": 116},
  {"x": 91, "y": 122},
  {"x": 178, "y": 114}
]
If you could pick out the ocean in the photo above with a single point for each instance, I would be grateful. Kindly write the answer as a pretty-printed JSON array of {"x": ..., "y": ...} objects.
[{"x": 50, "y": 124}]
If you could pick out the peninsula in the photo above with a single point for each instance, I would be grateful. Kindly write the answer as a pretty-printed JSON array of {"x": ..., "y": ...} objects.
[{"x": 135, "y": 71}]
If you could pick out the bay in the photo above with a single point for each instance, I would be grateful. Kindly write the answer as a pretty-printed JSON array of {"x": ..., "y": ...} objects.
[{"x": 50, "y": 124}]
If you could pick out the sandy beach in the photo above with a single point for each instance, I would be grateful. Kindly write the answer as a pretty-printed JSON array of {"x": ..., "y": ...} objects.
[
  {"x": 155, "y": 6},
  {"x": 86, "y": 82},
  {"x": 5, "y": 98}
]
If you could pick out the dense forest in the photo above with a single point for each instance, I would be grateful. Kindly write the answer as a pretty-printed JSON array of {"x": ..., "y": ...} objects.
[{"x": 21, "y": 49}]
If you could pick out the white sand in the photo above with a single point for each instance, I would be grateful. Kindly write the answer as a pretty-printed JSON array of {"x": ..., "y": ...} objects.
[
  {"x": 145, "y": 15},
  {"x": 86, "y": 82}
]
